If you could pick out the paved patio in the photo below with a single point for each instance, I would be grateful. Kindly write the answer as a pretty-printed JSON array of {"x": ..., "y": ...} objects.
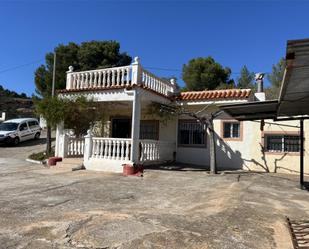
[{"x": 58, "y": 208}]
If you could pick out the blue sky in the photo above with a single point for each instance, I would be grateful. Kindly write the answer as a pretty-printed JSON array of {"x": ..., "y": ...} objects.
[{"x": 164, "y": 34}]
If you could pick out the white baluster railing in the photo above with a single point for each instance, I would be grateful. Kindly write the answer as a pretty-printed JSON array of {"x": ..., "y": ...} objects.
[
  {"x": 154, "y": 150},
  {"x": 111, "y": 148},
  {"x": 156, "y": 84},
  {"x": 75, "y": 147},
  {"x": 125, "y": 76},
  {"x": 100, "y": 78}
]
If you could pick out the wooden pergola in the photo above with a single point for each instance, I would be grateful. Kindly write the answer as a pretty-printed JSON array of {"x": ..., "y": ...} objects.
[{"x": 293, "y": 101}]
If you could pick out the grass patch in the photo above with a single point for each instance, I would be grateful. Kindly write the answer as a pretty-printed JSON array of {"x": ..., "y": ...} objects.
[{"x": 40, "y": 156}]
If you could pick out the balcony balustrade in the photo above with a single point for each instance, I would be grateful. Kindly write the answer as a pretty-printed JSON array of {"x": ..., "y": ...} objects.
[{"x": 119, "y": 77}]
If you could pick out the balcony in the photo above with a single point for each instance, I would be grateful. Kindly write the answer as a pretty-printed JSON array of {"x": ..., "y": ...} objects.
[
  {"x": 119, "y": 77},
  {"x": 108, "y": 154}
]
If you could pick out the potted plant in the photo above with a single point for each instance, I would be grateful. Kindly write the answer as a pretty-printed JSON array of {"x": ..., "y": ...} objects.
[{"x": 132, "y": 169}]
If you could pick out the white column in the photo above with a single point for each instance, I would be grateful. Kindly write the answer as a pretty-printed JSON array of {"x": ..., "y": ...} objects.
[
  {"x": 88, "y": 146},
  {"x": 173, "y": 83},
  {"x": 136, "y": 116},
  {"x": 136, "y": 72},
  {"x": 65, "y": 145},
  {"x": 59, "y": 133},
  {"x": 69, "y": 84}
]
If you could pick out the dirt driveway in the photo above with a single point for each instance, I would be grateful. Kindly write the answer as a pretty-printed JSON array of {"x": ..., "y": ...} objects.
[
  {"x": 23, "y": 149},
  {"x": 55, "y": 208}
]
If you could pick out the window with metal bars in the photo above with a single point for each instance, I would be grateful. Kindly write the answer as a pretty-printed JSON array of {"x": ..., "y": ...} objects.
[
  {"x": 231, "y": 130},
  {"x": 191, "y": 133},
  {"x": 282, "y": 143}
]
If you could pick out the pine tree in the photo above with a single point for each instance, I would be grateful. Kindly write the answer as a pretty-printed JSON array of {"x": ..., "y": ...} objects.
[{"x": 246, "y": 79}]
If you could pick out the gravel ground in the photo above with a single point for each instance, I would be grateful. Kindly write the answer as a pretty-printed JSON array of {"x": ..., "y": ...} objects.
[{"x": 57, "y": 208}]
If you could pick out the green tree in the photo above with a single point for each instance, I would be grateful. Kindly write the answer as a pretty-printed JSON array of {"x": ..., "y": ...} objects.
[
  {"x": 246, "y": 78},
  {"x": 53, "y": 111},
  {"x": 11, "y": 94},
  {"x": 275, "y": 78},
  {"x": 90, "y": 111},
  {"x": 101, "y": 54},
  {"x": 276, "y": 75},
  {"x": 86, "y": 56},
  {"x": 205, "y": 73}
]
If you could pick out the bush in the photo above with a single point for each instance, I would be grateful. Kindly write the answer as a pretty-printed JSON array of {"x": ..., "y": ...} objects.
[{"x": 40, "y": 156}]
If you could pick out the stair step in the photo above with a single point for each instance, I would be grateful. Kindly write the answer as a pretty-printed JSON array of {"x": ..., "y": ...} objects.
[
  {"x": 61, "y": 164},
  {"x": 73, "y": 160},
  {"x": 70, "y": 162}
]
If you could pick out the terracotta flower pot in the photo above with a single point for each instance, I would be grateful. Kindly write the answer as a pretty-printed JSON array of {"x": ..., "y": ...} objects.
[
  {"x": 128, "y": 169},
  {"x": 52, "y": 161}
]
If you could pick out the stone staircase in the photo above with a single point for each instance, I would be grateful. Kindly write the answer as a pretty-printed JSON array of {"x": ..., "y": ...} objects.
[{"x": 69, "y": 163}]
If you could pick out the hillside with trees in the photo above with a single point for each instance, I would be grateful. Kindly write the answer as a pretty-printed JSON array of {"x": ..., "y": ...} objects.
[
  {"x": 15, "y": 105},
  {"x": 11, "y": 94}
]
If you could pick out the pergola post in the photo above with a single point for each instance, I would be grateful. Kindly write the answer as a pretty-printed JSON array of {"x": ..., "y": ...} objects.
[{"x": 301, "y": 159}]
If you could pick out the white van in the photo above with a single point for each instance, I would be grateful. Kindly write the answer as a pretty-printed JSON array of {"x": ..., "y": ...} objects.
[{"x": 17, "y": 130}]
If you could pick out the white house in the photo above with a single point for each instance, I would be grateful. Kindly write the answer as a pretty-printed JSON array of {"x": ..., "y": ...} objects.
[{"x": 135, "y": 136}]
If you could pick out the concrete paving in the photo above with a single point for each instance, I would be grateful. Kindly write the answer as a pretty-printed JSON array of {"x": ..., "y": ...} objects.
[
  {"x": 57, "y": 208},
  {"x": 26, "y": 148}
]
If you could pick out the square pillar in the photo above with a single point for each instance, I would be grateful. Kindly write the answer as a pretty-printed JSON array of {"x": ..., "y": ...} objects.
[
  {"x": 88, "y": 146},
  {"x": 59, "y": 133},
  {"x": 136, "y": 118}
]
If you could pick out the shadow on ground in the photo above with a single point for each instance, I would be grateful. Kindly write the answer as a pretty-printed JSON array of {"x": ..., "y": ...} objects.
[
  {"x": 178, "y": 167},
  {"x": 28, "y": 143}
]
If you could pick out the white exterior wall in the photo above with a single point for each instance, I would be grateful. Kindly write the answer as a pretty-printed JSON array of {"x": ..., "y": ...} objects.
[
  {"x": 167, "y": 130},
  {"x": 234, "y": 154},
  {"x": 247, "y": 153},
  {"x": 198, "y": 156},
  {"x": 242, "y": 154}
]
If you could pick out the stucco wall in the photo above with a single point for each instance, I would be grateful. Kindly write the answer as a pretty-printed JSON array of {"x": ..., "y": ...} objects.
[
  {"x": 247, "y": 153},
  {"x": 276, "y": 162},
  {"x": 167, "y": 127}
]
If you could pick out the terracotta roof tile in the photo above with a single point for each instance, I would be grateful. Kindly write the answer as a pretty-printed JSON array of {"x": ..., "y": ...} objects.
[
  {"x": 216, "y": 94},
  {"x": 193, "y": 95}
]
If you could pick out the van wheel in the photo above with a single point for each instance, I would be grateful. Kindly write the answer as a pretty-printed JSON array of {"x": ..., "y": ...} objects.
[
  {"x": 37, "y": 135},
  {"x": 16, "y": 141}
]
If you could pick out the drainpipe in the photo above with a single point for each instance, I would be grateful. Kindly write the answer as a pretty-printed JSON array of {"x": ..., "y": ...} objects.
[
  {"x": 301, "y": 155},
  {"x": 260, "y": 94}
]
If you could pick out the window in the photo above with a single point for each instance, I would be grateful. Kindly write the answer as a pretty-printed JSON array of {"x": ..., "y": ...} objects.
[
  {"x": 149, "y": 129},
  {"x": 231, "y": 130},
  {"x": 191, "y": 133},
  {"x": 33, "y": 124},
  {"x": 23, "y": 127},
  {"x": 282, "y": 143}
]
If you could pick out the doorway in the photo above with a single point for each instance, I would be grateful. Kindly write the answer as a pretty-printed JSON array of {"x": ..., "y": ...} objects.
[{"x": 121, "y": 127}]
